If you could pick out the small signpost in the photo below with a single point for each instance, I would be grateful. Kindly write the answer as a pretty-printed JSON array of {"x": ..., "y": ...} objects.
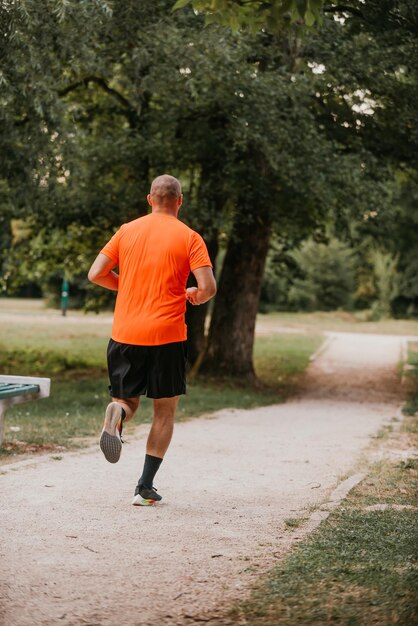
[{"x": 64, "y": 296}]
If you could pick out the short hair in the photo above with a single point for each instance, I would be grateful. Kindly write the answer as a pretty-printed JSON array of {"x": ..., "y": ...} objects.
[{"x": 165, "y": 189}]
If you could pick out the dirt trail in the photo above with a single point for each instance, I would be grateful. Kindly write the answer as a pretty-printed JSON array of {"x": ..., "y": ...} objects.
[
  {"x": 356, "y": 367},
  {"x": 74, "y": 551}
]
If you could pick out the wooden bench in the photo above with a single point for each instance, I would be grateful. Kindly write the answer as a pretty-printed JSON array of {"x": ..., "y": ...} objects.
[{"x": 18, "y": 389}]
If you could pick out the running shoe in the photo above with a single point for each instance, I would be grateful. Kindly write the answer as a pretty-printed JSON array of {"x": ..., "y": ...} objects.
[
  {"x": 110, "y": 439},
  {"x": 145, "y": 497}
]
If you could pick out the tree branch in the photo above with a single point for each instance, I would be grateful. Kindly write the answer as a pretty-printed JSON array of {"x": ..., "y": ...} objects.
[
  {"x": 103, "y": 84},
  {"x": 130, "y": 111}
]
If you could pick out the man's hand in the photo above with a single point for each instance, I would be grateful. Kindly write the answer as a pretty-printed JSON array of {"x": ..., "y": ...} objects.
[{"x": 191, "y": 295}]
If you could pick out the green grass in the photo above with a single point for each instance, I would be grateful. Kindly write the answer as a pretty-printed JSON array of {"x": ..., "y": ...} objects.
[
  {"x": 413, "y": 353},
  {"x": 64, "y": 359},
  {"x": 342, "y": 321},
  {"x": 79, "y": 388},
  {"x": 358, "y": 569},
  {"x": 280, "y": 358},
  {"x": 294, "y": 522},
  {"x": 41, "y": 342},
  {"x": 411, "y": 379}
]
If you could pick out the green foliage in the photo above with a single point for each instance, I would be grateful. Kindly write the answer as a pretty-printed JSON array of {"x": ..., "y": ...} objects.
[
  {"x": 387, "y": 279},
  {"x": 253, "y": 14},
  {"x": 328, "y": 276},
  {"x": 280, "y": 272},
  {"x": 318, "y": 125},
  {"x": 369, "y": 89},
  {"x": 104, "y": 123},
  {"x": 399, "y": 237}
]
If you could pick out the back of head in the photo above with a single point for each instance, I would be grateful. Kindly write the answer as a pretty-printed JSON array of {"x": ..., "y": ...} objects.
[{"x": 165, "y": 190}]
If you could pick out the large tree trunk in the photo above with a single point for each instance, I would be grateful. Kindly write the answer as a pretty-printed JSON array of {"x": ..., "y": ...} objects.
[
  {"x": 196, "y": 315},
  {"x": 229, "y": 350}
]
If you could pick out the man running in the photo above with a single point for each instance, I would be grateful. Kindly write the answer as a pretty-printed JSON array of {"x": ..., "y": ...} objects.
[{"x": 147, "y": 352}]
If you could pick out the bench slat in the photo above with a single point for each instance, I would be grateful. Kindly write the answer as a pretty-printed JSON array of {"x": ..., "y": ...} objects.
[{"x": 10, "y": 390}]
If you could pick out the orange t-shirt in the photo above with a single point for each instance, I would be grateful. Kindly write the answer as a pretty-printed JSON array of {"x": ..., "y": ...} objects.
[{"x": 155, "y": 255}]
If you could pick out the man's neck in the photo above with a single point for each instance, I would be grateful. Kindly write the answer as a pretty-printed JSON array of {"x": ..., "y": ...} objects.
[{"x": 158, "y": 210}]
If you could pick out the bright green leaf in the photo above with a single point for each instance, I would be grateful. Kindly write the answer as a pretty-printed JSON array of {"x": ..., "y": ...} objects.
[
  {"x": 180, "y": 4},
  {"x": 310, "y": 18}
]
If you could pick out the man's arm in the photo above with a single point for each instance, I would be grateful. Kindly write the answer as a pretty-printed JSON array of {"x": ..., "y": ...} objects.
[
  {"x": 101, "y": 273},
  {"x": 206, "y": 286}
]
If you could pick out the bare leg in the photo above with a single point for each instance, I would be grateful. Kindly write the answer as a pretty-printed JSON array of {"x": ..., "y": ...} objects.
[
  {"x": 130, "y": 406},
  {"x": 110, "y": 439},
  {"x": 162, "y": 426},
  {"x": 158, "y": 441}
]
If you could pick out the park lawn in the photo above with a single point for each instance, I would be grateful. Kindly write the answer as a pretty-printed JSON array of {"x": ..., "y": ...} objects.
[
  {"x": 39, "y": 341},
  {"x": 338, "y": 321},
  {"x": 79, "y": 389},
  {"x": 359, "y": 567}
]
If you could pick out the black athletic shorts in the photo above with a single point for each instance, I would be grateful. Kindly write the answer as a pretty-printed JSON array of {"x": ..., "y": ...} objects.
[{"x": 154, "y": 371}]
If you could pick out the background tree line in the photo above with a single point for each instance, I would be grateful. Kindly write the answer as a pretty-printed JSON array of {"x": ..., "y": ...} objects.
[{"x": 296, "y": 149}]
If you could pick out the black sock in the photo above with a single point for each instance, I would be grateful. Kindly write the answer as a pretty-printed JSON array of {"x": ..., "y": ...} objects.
[{"x": 151, "y": 466}]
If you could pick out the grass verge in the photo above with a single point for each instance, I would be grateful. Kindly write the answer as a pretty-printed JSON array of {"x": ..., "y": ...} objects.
[
  {"x": 79, "y": 393},
  {"x": 360, "y": 567},
  {"x": 411, "y": 379}
]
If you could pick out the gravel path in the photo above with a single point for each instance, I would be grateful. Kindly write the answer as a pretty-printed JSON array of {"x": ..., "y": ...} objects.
[{"x": 74, "y": 551}]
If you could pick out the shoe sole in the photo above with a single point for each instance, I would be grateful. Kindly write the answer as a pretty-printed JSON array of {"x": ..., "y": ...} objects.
[
  {"x": 138, "y": 501},
  {"x": 110, "y": 444}
]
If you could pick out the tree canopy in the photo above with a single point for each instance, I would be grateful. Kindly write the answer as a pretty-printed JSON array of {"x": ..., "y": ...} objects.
[{"x": 284, "y": 137}]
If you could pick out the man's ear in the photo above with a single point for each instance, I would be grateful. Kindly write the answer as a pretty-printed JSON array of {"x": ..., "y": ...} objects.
[
  {"x": 149, "y": 199},
  {"x": 180, "y": 200}
]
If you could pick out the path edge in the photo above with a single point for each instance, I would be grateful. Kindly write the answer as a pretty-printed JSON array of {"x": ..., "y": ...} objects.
[{"x": 322, "y": 348}]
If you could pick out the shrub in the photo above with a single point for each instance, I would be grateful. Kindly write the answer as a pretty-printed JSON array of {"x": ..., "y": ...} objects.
[{"x": 328, "y": 276}]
